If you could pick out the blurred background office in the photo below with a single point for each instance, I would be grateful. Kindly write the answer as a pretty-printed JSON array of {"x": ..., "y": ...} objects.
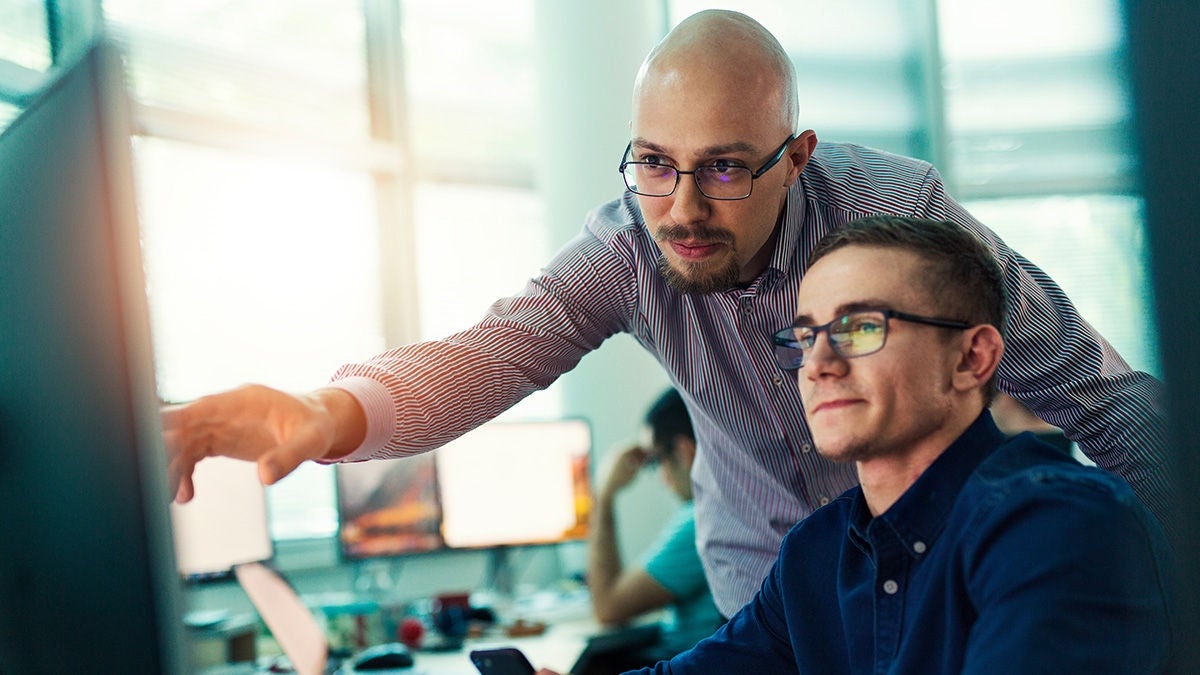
[{"x": 319, "y": 180}]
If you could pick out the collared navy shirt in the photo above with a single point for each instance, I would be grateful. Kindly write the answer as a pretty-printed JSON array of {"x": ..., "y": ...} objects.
[{"x": 1003, "y": 557}]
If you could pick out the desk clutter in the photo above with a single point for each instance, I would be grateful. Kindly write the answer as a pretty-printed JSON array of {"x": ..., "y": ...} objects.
[{"x": 431, "y": 635}]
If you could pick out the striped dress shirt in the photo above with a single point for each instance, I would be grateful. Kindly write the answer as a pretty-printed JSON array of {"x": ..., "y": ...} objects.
[{"x": 756, "y": 473}]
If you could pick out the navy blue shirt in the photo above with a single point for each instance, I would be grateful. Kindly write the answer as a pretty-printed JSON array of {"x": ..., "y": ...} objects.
[{"x": 1005, "y": 556}]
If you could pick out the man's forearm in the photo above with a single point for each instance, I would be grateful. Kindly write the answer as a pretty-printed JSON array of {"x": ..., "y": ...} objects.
[{"x": 604, "y": 559}]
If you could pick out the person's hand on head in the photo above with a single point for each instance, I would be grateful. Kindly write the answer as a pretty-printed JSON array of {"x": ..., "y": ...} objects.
[
  {"x": 624, "y": 469},
  {"x": 277, "y": 430}
]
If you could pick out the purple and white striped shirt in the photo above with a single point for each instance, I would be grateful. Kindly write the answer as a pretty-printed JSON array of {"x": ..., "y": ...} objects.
[{"x": 757, "y": 472}]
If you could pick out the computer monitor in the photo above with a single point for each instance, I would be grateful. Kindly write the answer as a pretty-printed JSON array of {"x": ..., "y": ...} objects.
[
  {"x": 88, "y": 581},
  {"x": 225, "y": 524},
  {"x": 388, "y": 508},
  {"x": 509, "y": 484},
  {"x": 516, "y": 483}
]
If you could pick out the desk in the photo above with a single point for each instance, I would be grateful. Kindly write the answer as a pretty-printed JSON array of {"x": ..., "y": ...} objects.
[
  {"x": 569, "y": 623},
  {"x": 568, "y": 620},
  {"x": 556, "y": 649}
]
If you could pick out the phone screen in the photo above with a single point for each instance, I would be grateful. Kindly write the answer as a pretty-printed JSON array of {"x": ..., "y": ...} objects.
[{"x": 502, "y": 661}]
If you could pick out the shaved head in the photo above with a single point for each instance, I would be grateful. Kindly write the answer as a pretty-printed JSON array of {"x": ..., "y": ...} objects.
[{"x": 727, "y": 50}]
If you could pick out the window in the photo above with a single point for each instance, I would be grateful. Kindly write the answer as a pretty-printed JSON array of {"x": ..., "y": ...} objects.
[
  {"x": 24, "y": 54},
  {"x": 23, "y": 40},
  {"x": 1035, "y": 106},
  {"x": 1037, "y": 122},
  {"x": 256, "y": 184}
]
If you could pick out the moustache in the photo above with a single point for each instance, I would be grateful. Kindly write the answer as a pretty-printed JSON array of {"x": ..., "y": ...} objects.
[{"x": 700, "y": 233}]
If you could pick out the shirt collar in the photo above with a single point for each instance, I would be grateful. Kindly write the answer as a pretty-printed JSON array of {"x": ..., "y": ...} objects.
[
  {"x": 918, "y": 516},
  {"x": 787, "y": 248}
]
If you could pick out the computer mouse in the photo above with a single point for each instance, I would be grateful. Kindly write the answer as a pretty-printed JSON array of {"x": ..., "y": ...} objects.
[{"x": 387, "y": 656}]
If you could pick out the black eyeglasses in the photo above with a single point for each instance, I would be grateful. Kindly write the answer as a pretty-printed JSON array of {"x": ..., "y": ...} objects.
[
  {"x": 851, "y": 335},
  {"x": 716, "y": 181}
]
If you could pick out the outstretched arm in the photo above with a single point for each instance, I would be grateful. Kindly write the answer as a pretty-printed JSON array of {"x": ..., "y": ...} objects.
[{"x": 277, "y": 430}]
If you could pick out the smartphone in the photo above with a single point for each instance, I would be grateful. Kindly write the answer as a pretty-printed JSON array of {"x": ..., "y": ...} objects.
[{"x": 501, "y": 661}]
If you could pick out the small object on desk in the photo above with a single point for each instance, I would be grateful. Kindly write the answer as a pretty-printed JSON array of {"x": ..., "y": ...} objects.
[
  {"x": 501, "y": 661},
  {"x": 387, "y": 656},
  {"x": 523, "y": 628},
  {"x": 411, "y": 632}
]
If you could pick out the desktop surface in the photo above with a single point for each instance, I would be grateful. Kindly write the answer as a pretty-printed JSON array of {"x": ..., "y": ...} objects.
[{"x": 567, "y": 617}]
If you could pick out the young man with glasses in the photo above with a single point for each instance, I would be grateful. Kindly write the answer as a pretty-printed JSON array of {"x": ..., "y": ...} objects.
[
  {"x": 699, "y": 261},
  {"x": 960, "y": 551}
]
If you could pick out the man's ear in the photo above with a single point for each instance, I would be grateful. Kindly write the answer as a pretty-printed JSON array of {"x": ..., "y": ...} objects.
[
  {"x": 979, "y": 356},
  {"x": 685, "y": 450},
  {"x": 800, "y": 151}
]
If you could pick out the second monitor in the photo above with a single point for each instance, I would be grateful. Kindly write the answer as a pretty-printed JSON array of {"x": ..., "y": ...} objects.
[{"x": 503, "y": 484}]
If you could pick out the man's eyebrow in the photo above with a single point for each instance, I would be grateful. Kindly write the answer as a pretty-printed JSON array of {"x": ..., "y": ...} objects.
[
  {"x": 843, "y": 309},
  {"x": 711, "y": 151}
]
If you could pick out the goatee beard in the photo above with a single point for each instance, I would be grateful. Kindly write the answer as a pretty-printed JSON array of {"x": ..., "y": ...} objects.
[{"x": 722, "y": 280}]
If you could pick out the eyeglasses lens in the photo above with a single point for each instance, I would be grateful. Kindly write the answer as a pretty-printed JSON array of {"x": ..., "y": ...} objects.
[
  {"x": 721, "y": 182},
  {"x": 856, "y": 334}
]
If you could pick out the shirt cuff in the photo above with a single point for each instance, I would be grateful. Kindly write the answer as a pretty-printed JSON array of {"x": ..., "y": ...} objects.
[{"x": 379, "y": 410}]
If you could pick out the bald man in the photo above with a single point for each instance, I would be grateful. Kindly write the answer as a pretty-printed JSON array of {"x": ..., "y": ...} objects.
[{"x": 700, "y": 261}]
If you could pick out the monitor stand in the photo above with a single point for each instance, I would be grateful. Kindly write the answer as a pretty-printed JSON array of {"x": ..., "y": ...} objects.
[
  {"x": 498, "y": 579},
  {"x": 373, "y": 579}
]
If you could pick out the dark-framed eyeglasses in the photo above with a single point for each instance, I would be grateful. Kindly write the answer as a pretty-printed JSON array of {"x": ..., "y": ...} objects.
[
  {"x": 715, "y": 181},
  {"x": 850, "y": 335}
]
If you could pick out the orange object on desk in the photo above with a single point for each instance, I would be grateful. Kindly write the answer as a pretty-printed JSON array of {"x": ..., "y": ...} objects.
[{"x": 523, "y": 628}]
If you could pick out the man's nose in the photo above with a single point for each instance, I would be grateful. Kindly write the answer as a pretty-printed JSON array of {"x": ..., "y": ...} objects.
[
  {"x": 823, "y": 359},
  {"x": 690, "y": 205}
]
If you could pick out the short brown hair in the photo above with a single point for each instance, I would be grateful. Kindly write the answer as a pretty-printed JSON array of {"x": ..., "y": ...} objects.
[{"x": 961, "y": 273}]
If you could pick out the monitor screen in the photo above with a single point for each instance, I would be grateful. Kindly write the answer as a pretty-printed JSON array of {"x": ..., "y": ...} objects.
[
  {"x": 388, "y": 507},
  {"x": 225, "y": 524},
  {"x": 88, "y": 581},
  {"x": 516, "y": 483}
]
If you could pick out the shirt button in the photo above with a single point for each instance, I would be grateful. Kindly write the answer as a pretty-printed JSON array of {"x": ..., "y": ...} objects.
[
  {"x": 824, "y": 500},
  {"x": 919, "y": 546},
  {"x": 777, "y": 380},
  {"x": 806, "y": 448},
  {"x": 890, "y": 587}
]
